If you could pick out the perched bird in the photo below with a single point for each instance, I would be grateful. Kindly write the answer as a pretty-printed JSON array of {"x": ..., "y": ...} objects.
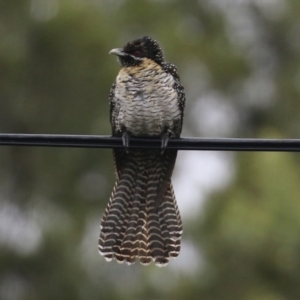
[{"x": 142, "y": 220}]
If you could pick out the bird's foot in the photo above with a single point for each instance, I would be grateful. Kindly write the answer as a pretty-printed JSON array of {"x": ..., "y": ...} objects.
[
  {"x": 125, "y": 141},
  {"x": 164, "y": 142}
]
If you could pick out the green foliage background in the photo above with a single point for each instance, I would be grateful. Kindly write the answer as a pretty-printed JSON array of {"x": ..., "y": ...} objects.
[{"x": 238, "y": 58}]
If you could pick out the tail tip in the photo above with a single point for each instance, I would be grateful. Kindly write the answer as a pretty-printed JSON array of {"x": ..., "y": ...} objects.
[{"x": 161, "y": 261}]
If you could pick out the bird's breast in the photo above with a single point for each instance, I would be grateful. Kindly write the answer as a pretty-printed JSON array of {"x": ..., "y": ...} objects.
[{"x": 147, "y": 100}]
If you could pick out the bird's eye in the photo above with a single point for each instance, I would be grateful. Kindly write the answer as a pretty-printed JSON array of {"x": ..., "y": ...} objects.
[{"x": 137, "y": 53}]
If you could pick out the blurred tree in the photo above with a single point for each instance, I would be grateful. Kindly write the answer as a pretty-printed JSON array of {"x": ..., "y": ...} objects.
[{"x": 240, "y": 64}]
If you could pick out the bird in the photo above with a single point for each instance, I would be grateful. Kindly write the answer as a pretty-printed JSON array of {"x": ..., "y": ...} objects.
[{"x": 142, "y": 220}]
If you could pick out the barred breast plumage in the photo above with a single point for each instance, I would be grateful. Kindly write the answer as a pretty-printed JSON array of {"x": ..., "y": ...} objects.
[
  {"x": 142, "y": 220},
  {"x": 147, "y": 99}
]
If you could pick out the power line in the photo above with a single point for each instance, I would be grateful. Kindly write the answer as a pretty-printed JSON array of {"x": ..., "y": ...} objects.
[{"x": 105, "y": 141}]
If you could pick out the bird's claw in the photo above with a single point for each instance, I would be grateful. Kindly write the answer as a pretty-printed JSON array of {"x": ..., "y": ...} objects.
[
  {"x": 125, "y": 141},
  {"x": 164, "y": 142}
]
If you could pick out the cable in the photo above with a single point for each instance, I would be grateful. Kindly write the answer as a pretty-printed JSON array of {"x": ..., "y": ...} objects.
[{"x": 105, "y": 141}]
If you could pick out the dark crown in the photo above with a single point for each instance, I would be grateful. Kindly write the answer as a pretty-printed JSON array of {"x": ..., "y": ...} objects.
[{"x": 145, "y": 47}]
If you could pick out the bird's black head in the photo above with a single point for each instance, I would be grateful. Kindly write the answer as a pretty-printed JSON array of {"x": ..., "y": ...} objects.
[{"x": 134, "y": 52}]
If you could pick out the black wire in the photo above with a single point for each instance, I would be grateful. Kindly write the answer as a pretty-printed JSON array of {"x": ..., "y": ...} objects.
[{"x": 105, "y": 141}]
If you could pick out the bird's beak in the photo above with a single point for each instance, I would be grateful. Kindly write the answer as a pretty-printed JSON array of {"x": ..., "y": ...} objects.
[{"x": 118, "y": 52}]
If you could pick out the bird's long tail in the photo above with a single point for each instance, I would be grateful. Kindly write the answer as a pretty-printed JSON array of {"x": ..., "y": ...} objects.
[{"x": 142, "y": 220}]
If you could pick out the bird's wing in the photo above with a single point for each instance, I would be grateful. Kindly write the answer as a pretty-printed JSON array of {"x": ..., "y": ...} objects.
[{"x": 172, "y": 69}]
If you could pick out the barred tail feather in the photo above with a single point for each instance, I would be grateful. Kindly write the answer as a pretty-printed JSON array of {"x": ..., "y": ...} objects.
[
  {"x": 115, "y": 217},
  {"x": 171, "y": 222},
  {"x": 142, "y": 220},
  {"x": 129, "y": 246}
]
